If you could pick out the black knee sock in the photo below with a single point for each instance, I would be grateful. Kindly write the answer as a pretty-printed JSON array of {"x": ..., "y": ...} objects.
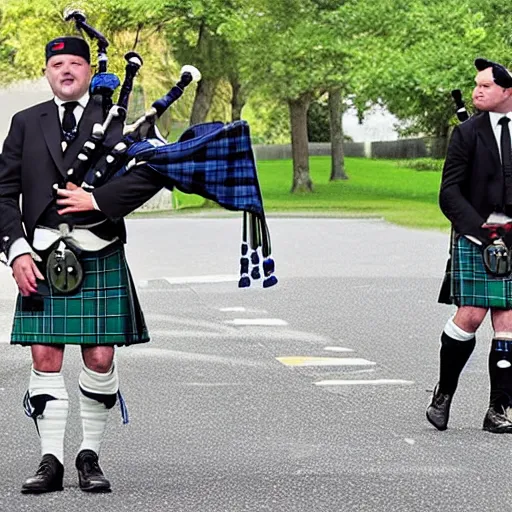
[
  {"x": 500, "y": 374},
  {"x": 454, "y": 356}
]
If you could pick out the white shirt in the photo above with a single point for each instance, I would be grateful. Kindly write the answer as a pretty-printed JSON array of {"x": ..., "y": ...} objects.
[
  {"x": 44, "y": 237},
  {"x": 79, "y": 109},
  {"x": 494, "y": 118}
]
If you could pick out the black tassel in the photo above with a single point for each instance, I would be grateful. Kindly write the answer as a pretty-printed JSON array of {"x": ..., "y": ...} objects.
[{"x": 244, "y": 281}]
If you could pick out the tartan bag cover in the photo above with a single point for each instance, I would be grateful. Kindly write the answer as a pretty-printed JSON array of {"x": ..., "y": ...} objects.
[
  {"x": 105, "y": 311},
  {"x": 471, "y": 284},
  {"x": 213, "y": 160}
]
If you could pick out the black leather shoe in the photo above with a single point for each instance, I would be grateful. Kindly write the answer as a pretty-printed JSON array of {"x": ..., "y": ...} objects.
[
  {"x": 438, "y": 411},
  {"x": 48, "y": 477},
  {"x": 90, "y": 475},
  {"x": 497, "y": 422}
]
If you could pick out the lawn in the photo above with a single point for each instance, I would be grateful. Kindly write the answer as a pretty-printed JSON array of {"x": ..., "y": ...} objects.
[{"x": 381, "y": 188}]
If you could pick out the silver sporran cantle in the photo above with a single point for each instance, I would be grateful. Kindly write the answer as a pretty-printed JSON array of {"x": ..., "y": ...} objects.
[
  {"x": 64, "y": 270},
  {"x": 497, "y": 259}
]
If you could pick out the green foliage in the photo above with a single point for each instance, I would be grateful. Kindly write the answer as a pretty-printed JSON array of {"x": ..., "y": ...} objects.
[
  {"x": 269, "y": 120},
  {"x": 405, "y": 54},
  {"x": 427, "y": 51},
  {"x": 318, "y": 122},
  {"x": 422, "y": 164}
]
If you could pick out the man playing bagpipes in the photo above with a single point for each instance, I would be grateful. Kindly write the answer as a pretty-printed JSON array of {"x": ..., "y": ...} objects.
[
  {"x": 66, "y": 249},
  {"x": 476, "y": 196},
  {"x": 74, "y": 282}
]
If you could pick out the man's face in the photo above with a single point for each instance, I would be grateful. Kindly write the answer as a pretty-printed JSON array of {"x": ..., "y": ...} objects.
[
  {"x": 68, "y": 76},
  {"x": 489, "y": 96}
]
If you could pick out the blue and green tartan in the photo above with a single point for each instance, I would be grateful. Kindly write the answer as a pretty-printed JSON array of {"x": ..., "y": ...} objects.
[
  {"x": 471, "y": 285},
  {"x": 105, "y": 311}
]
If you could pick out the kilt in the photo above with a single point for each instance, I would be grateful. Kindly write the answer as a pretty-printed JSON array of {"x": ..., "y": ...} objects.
[
  {"x": 471, "y": 285},
  {"x": 105, "y": 310}
]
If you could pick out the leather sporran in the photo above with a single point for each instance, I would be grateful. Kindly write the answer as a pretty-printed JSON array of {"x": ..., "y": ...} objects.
[
  {"x": 64, "y": 270},
  {"x": 497, "y": 259}
]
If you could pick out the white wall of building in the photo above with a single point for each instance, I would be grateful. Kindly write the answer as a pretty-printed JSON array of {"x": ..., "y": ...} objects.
[{"x": 378, "y": 125}]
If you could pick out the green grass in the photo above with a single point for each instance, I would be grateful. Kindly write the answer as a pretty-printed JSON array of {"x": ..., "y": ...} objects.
[{"x": 381, "y": 188}]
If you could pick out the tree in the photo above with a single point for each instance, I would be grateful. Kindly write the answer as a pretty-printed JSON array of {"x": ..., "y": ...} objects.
[
  {"x": 292, "y": 57},
  {"x": 422, "y": 51}
]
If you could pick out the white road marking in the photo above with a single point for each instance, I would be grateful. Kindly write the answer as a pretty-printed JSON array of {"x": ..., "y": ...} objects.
[
  {"x": 324, "y": 361},
  {"x": 377, "y": 382},
  {"x": 410, "y": 441},
  {"x": 221, "y": 278},
  {"x": 256, "y": 321},
  {"x": 338, "y": 349},
  {"x": 234, "y": 309},
  {"x": 249, "y": 333},
  {"x": 178, "y": 355},
  {"x": 210, "y": 384}
]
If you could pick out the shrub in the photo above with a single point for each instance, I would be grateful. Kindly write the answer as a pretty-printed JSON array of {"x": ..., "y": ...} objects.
[{"x": 422, "y": 164}]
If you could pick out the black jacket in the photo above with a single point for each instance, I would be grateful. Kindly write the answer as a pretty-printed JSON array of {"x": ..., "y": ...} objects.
[
  {"x": 472, "y": 185},
  {"x": 32, "y": 161}
]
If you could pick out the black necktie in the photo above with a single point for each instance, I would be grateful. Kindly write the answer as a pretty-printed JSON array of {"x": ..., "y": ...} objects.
[
  {"x": 506, "y": 159},
  {"x": 69, "y": 120}
]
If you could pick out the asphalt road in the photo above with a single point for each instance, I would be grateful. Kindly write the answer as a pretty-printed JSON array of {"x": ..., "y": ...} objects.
[{"x": 309, "y": 396}]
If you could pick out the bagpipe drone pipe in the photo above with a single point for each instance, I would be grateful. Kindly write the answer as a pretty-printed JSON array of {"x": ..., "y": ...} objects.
[
  {"x": 105, "y": 135},
  {"x": 213, "y": 160},
  {"x": 461, "y": 112}
]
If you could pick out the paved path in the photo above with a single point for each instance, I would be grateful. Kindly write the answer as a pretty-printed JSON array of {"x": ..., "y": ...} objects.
[{"x": 309, "y": 396}]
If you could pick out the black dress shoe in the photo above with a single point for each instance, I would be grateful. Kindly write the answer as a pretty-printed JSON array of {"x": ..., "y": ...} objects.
[
  {"x": 90, "y": 475},
  {"x": 438, "y": 411},
  {"x": 497, "y": 422},
  {"x": 48, "y": 477}
]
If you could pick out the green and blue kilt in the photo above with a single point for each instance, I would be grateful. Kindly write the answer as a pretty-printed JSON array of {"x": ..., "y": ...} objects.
[
  {"x": 471, "y": 285},
  {"x": 105, "y": 310}
]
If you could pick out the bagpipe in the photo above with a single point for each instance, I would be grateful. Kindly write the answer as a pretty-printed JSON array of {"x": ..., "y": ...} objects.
[
  {"x": 461, "y": 112},
  {"x": 213, "y": 160}
]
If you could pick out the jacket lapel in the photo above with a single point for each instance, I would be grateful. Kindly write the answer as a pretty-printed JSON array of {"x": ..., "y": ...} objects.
[
  {"x": 486, "y": 133},
  {"x": 50, "y": 126}
]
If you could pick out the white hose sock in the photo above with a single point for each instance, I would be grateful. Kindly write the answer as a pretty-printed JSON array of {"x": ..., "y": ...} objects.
[
  {"x": 456, "y": 333},
  {"x": 48, "y": 391},
  {"x": 93, "y": 411}
]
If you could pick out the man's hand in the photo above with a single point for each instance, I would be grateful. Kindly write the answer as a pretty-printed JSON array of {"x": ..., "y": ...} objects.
[
  {"x": 25, "y": 273},
  {"x": 76, "y": 199}
]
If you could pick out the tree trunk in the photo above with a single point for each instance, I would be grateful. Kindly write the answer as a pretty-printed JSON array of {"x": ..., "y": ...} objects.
[
  {"x": 238, "y": 99},
  {"x": 337, "y": 156},
  {"x": 203, "y": 100},
  {"x": 300, "y": 153}
]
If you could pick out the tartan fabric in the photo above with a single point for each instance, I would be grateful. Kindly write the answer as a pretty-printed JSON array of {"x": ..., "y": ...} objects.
[
  {"x": 105, "y": 311},
  {"x": 471, "y": 285},
  {"x": 213, "y": 160}
]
